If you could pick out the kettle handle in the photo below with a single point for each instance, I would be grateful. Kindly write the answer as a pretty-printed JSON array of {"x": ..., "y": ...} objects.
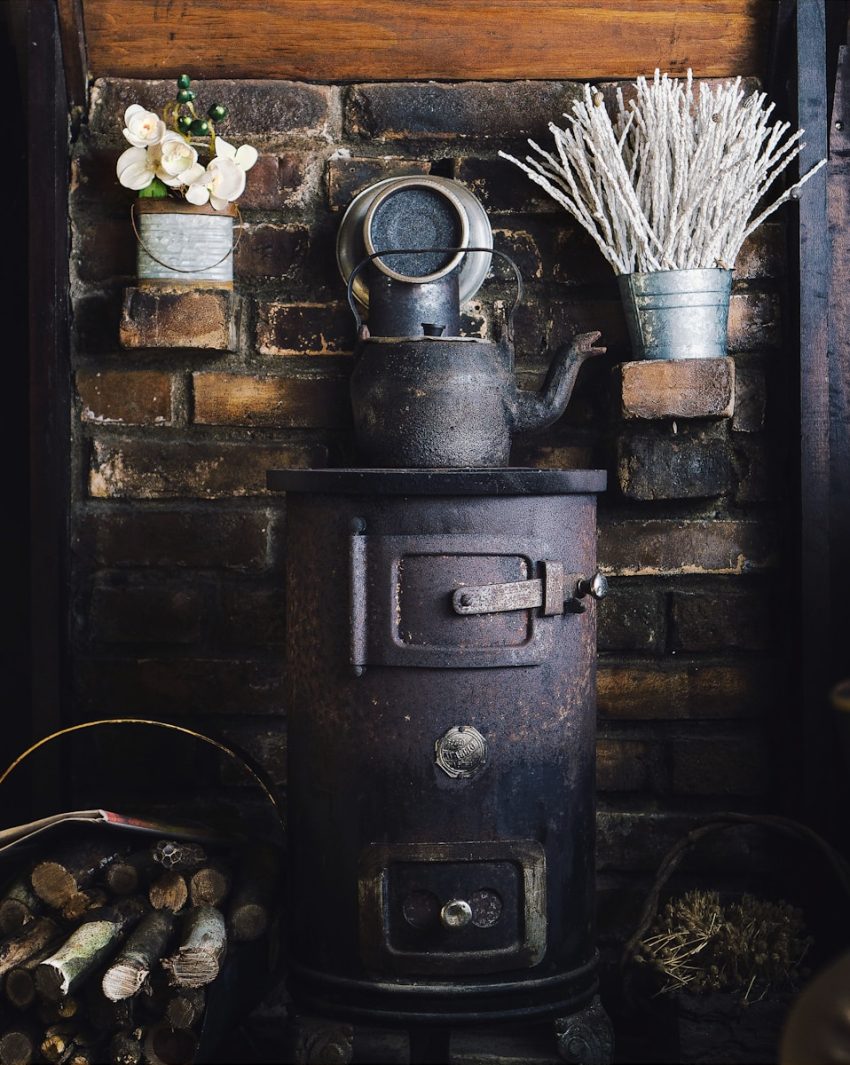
[{"x": 352, "y": 302}]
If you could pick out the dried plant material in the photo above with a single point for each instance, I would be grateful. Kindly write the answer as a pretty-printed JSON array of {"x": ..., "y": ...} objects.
[
  {"x": 749, "y": 946},
  {"x": 675, "y": 180}
]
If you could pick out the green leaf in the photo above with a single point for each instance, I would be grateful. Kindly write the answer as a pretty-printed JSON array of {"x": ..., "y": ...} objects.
[{"x": 155, "y": 191}]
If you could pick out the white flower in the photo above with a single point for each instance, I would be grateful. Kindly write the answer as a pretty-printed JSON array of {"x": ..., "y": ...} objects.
[
  {"x": 177, "y": 159},
  {"x": 244, "y": 157},
  {"x": 136, "y": 167},
  {"x": 142, "y": 128},
  {"x": 222, "y": 183}
]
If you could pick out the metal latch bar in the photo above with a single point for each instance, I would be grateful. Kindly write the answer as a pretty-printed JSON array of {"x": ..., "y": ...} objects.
[{"x": 547, "y": 592}]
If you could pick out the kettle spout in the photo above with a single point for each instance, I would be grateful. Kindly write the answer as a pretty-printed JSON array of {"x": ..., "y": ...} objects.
[{"x": 537, "y": 410}]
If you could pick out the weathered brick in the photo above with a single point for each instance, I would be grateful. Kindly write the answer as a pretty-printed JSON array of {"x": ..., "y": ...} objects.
[
  {"x": 503, "y": 188},
  {"x": 95, "y": 191},
  {"x": 103, "y": 248},
  {"x": 96, "y": 319},
  {"x": 750, "y": 399},
  {"x": 276, "y": 180},
  {"x": 125, "y": 397},
  {"x": 271, "y": 250},
  {"x": 634, "y": 547},
  {"x": 250, "y": 615},
  {"x": 627, "y": 765},
  {"x": 676, "y": 388},
  {"x": 672, "y": 690},
  {"x": 542, "y": 326},
  {"x": 176, "y": 687},
  {"x": 306, "y": 401},
  {"x": 547, "y": 457},
  {"x": 264, "y": 745},
  {"x": 724, "y": 618},
  {"x": 196, "y": 318},
  {"x": 631, "y": 618},
  {"x": 147, "y": 469},
  {"x": 754, "y": 321},
  {"x": 548, "y": 249},
  {"x": 759, "y": 470},
  {"x": 347, "y": 177},
  {"x": 763, "y": 253},
  {"x": 130, "y": 611},
  {"x": 672, "y": 467},
  {"x": 442, "y": 111},
  {"x": 733, "y": 765},
  {"x": 271, "y": 108},
  {"x": 304, "y": 329},
  {"x": 202, "y": 538}
]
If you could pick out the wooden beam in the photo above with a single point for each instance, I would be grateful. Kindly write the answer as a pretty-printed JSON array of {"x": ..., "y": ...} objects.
[
  {"x": 73, "y": 37},
  {"x": 332, "y": 40}
]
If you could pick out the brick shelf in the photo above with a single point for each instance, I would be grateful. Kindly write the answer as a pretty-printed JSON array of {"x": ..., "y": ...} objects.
[
  {"x": 681, "y": 388},
  {"x": 196, "y": 318}
]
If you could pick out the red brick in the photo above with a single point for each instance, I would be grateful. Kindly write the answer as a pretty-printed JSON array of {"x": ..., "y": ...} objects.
[
  {"x": 760, "y": 475},
  {"x": 146, "y": 469},
  {"x": 657, "y": 547},
  {"x": 676, "y": 388},
  {"x": 733, "y": 765},
  {"x": 631, "y": 618},
  {"x": 763, "y": 253},
  {"x": 201, "y": 538},
  {"x": 346, "y": 177},
  {"x": 503, "y": 188},
  {"x": 279, "y": 180},
  {"x": 674, "y": 690},
  {"x": 754, "y": 321},
  {"x": 724, "y": 618},
  {"x": 177, "y": 687},
  {"x": 546, "y": 457},
  {"x": 750, "y": 399},
  {"x": 271, "y": 250},
  {"x": 164, "y": 612},
  {"x": 306, "y": 401},
  {"x": 103, "y": 248},
  {"x": 250, "y": 615},
  {"x": 196, "y": 318},
  {"x": 627, "y": 765},
  {"x": 125, "y": 397},
  {"x": 672, "y": 467},
  {"x": 305, "y": 329},
  {"x": 446, "y": 111}
]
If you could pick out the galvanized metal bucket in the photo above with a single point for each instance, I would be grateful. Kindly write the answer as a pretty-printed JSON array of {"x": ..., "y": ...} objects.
[
  {"x": 181, "y": 244},
  {"x": 677, "y": 314}
]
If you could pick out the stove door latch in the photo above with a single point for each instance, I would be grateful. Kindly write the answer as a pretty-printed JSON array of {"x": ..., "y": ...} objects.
[{"x": 555, "y": 591}]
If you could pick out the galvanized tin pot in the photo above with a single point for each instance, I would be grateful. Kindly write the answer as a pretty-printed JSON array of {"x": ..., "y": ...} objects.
[
  {"x": 181, "y": 244},
  {"x": 677, "y": 314}
]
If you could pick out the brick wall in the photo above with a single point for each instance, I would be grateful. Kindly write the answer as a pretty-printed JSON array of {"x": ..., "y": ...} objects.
[{"x": 177, "y": 545}]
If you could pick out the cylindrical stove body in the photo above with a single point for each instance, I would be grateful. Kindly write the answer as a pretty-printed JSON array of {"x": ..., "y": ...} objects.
[{"x": 441, "y": 758}]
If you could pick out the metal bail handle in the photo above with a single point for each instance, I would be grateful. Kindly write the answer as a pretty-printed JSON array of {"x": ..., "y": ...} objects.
[
  {"x": 194, "y": 269},
  {"x": 352, "y": 302}
]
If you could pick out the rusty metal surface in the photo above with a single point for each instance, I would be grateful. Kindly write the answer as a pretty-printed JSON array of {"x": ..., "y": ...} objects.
[
  {"x": 363, "y": 769},
  {"x": 508, "y": 481}
]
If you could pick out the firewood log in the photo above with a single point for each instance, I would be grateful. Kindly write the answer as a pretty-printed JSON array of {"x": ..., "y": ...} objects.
[
  {"x": 18, "y": 907},
  {"x": 37, "y": 935},
  {"x": 70, "y": 869},
  {"x": 252, "y": 902},
  {"x": 201, "y": 951},
  {"x": 84, "y": 950},
  {"x": 50, "y": 1013},
  {"x": 169, "y": 892},
  {"x": 19, "y": 985},
  {"x": 164, "y": 1045},
  {"x": 186, "y": 1008},
  {"x": 83, "y": 901},
  {"x": 209, "y": 886},
  {"x": 18, "y": 1045},
  {"x": 58, "y": 1042},
  {"x": 178, "y": 855},
  {"x": 143, "y": 949},
  {"x": 131, "y": 874},
  {"x": 125, "y": 1049}
]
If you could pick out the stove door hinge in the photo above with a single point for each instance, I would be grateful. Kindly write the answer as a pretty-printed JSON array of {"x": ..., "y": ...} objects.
[{"x": 555, "y": 591}]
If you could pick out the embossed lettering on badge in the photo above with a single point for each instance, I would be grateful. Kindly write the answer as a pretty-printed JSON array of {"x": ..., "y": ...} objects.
[{"x": 461, "y": 752}]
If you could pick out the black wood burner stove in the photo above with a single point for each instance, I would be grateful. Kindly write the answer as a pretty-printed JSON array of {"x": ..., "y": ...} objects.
[{"x": 441, "y": 646}]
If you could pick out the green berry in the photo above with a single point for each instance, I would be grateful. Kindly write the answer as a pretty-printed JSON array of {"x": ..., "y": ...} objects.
[
  {"x": 184, "y": 81},
  {"x": 184, "y": 123},
  {"x": 200, "y": 127},
  {"x": 217, "y": 112},
  {"x": 185, "y": 95}
]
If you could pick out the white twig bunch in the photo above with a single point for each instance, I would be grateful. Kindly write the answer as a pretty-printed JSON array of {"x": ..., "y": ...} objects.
[{"x": 674, "y": 181}]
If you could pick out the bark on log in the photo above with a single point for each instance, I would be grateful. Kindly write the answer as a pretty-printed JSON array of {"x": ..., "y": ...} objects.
[
  {"x": 185, "y": 1009},
  {"x": 209, "y": 886},
  {"x": 72, "y": 868},
  {"x": 18, "y": 1046},
  {"x": 164, "y": 1045},
  {"x": 83, "y": 901},
  {"x": 130, "y": 874},
  {"x": 125, "y": 1049},
  {"x": 92, "y": 943},
  {"x": 143, "y": 949},
  {"x": 18, "y": 907},
  {"x": 252, "y": 902},
  {"x": 37, "y": 935},
  {"x": 178, "y": 855},
  {"x": 169, "y": 892},
  {"x": 199, "y": 956},
  {"x": 19, "y": 985}
]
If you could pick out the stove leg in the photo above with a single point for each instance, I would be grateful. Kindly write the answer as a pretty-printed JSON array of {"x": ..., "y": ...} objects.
[
  {"x": 586, "y": 1037},
  {"x": 316, "y": 1041}
]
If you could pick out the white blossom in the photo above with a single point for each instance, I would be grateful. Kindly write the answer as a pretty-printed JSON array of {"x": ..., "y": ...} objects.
[
  {"x": 222, "y": 183},
  {"x": 245, "y": 156},
  {"x": 177, "y": 158},
  {"x": 142, "y": 128},
  {"x": 136, "y": 167}
]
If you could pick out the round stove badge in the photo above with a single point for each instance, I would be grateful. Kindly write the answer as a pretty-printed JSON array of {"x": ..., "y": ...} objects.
[{"x": 461, "y": 752}]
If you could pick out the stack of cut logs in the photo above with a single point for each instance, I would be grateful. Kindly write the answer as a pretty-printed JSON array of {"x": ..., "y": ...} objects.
[{"x": 107, "y": 952}]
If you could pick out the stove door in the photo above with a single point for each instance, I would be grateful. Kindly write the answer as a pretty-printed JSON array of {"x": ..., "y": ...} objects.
[
  {"x": 401, "y": 602},
  {"x": 453, "y": 907}
]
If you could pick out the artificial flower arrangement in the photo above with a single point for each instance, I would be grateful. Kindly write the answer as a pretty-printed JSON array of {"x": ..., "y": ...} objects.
[{"x": 162, "y": 159}]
